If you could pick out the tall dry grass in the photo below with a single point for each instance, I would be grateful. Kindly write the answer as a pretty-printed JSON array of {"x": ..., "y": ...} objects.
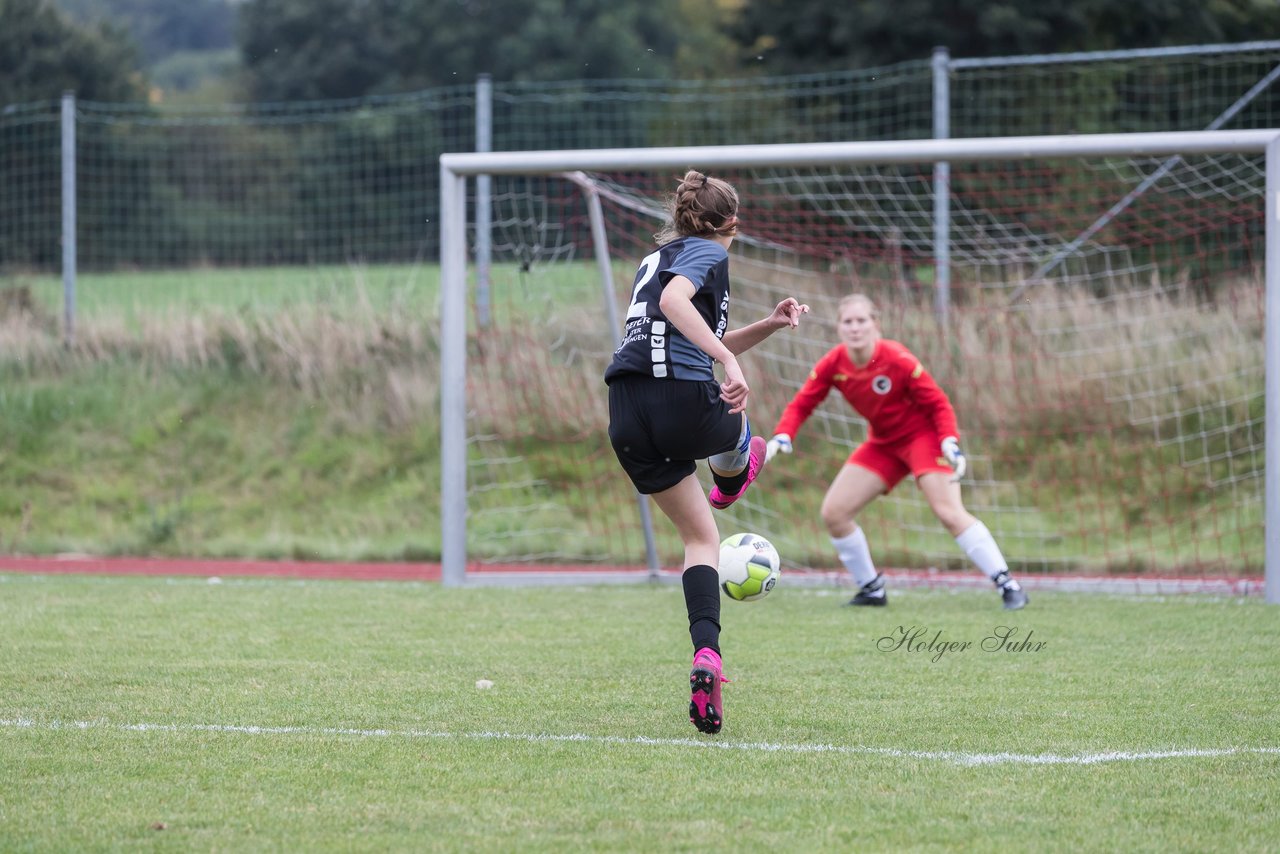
[
  {"x": 362, "y": 364},
  {"x": 1063, "y": 355}
]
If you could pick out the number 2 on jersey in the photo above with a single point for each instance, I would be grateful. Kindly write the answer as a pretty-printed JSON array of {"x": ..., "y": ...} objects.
[{"x": 648, "y": 267}]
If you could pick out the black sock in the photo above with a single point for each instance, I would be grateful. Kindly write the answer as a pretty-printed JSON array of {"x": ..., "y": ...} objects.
[
  {"x": 729, "y": 484},
  {"x": 702, "y": 599}
]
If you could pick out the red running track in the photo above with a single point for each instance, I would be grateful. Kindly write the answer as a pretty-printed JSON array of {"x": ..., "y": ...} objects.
[
  {"x": 90, "y": 565},
  {"x": 577, "y": 573}
]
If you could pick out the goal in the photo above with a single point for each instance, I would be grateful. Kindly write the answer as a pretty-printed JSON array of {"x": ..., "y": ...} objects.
[{"x": 1099, "y": 309}]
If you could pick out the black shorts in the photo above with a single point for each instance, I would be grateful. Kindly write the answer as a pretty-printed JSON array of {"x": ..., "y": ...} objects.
[{"x": 661, "y": 428}]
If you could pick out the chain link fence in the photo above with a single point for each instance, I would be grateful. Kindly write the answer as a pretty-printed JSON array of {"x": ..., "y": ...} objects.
[{"x": 356, "y": 181}]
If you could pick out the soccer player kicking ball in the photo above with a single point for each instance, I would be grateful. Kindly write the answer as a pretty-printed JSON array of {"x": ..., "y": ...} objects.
[
  {"x": 911, "y": 430},
  {"x": 667, "y": 411}
]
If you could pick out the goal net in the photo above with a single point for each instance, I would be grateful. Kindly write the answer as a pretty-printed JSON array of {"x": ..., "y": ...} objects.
[{"x": 1097, "y": 320}]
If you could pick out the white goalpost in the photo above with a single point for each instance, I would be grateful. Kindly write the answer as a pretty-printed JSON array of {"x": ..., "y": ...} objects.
[{"x": 1122, "y": 383}]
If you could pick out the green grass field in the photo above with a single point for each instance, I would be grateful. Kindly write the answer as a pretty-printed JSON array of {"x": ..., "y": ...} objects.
[
  {"x": 259, "y": 289},
  {"x": 177, "y": 714}
]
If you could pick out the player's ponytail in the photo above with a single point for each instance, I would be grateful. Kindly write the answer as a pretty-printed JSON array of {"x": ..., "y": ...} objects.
[{"x": 701, "y": 206}]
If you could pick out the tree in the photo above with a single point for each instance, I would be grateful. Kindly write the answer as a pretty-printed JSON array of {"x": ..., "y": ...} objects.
[
  {"x": 306, "y": 49},
  {"x": 1153, "y": 23},
  {"x": 792, "y": 36},
  {"x": 43, "y": 54},
  {"x": 162, "y": 27}
]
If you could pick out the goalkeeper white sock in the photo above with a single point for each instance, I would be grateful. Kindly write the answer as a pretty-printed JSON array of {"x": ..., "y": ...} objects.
[
  {"x": 854, "y": 553},
  {"x": 981, "y": 548}
]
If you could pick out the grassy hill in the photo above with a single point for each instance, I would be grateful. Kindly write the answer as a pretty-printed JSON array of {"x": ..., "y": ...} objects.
[
  {"x": 295, "y": 413},
  {"x": 221, "y": 416}
]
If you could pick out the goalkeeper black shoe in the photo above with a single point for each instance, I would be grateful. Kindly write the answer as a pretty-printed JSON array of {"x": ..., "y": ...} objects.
[
  {"x": 872, "y": 593},
  {"x": 1011, "y": 592}
]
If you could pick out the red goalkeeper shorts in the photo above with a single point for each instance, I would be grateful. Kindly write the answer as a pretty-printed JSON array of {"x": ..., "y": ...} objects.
[{"x": 893, "y": 461}]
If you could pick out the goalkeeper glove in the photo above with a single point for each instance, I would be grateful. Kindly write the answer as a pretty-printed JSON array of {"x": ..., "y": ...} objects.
[
  {"x": 955, "y": 456},
  {"x": 780, "y": 442}
]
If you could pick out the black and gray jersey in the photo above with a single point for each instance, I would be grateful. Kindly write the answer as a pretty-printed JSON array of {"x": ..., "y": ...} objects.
[{"x": 651, "y": 346}]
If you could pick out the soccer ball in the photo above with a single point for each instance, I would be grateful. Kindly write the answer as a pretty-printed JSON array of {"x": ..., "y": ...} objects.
[{"x": 749, "y": 567}]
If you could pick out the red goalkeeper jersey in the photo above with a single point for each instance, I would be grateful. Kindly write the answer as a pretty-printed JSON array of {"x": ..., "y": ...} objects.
[{"x": 893, "y": 392}]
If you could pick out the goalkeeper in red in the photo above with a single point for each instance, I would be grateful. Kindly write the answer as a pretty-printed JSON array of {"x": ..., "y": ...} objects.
[{"x": 911, "y": 430}]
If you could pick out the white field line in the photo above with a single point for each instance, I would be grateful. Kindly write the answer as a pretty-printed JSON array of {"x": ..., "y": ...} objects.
[{"x": 951, "y": 757}]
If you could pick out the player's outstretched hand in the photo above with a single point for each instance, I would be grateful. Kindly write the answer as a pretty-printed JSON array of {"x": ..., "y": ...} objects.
[
  {"x": 787, "y": 313},
  {"x": 780, "y": 443},
  {"x": 955, "y": 456}
]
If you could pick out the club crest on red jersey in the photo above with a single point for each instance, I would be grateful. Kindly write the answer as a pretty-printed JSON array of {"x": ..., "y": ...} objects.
[{"x": 881, "y": 384}]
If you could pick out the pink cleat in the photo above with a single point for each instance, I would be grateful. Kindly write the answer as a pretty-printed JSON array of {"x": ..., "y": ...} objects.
[
  {"x": 755, "y": 462},
  {"x": 706, "y": 711}
]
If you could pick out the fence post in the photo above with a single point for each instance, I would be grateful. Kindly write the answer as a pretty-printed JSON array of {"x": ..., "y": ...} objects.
[
  {"x": 453, "y": 378},
  {"x": 68, "y": 218},
  {"x": 1271, "y": 379},
  {"x": 941, "y": 187},
  {"x": 484, "y": 245}
]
